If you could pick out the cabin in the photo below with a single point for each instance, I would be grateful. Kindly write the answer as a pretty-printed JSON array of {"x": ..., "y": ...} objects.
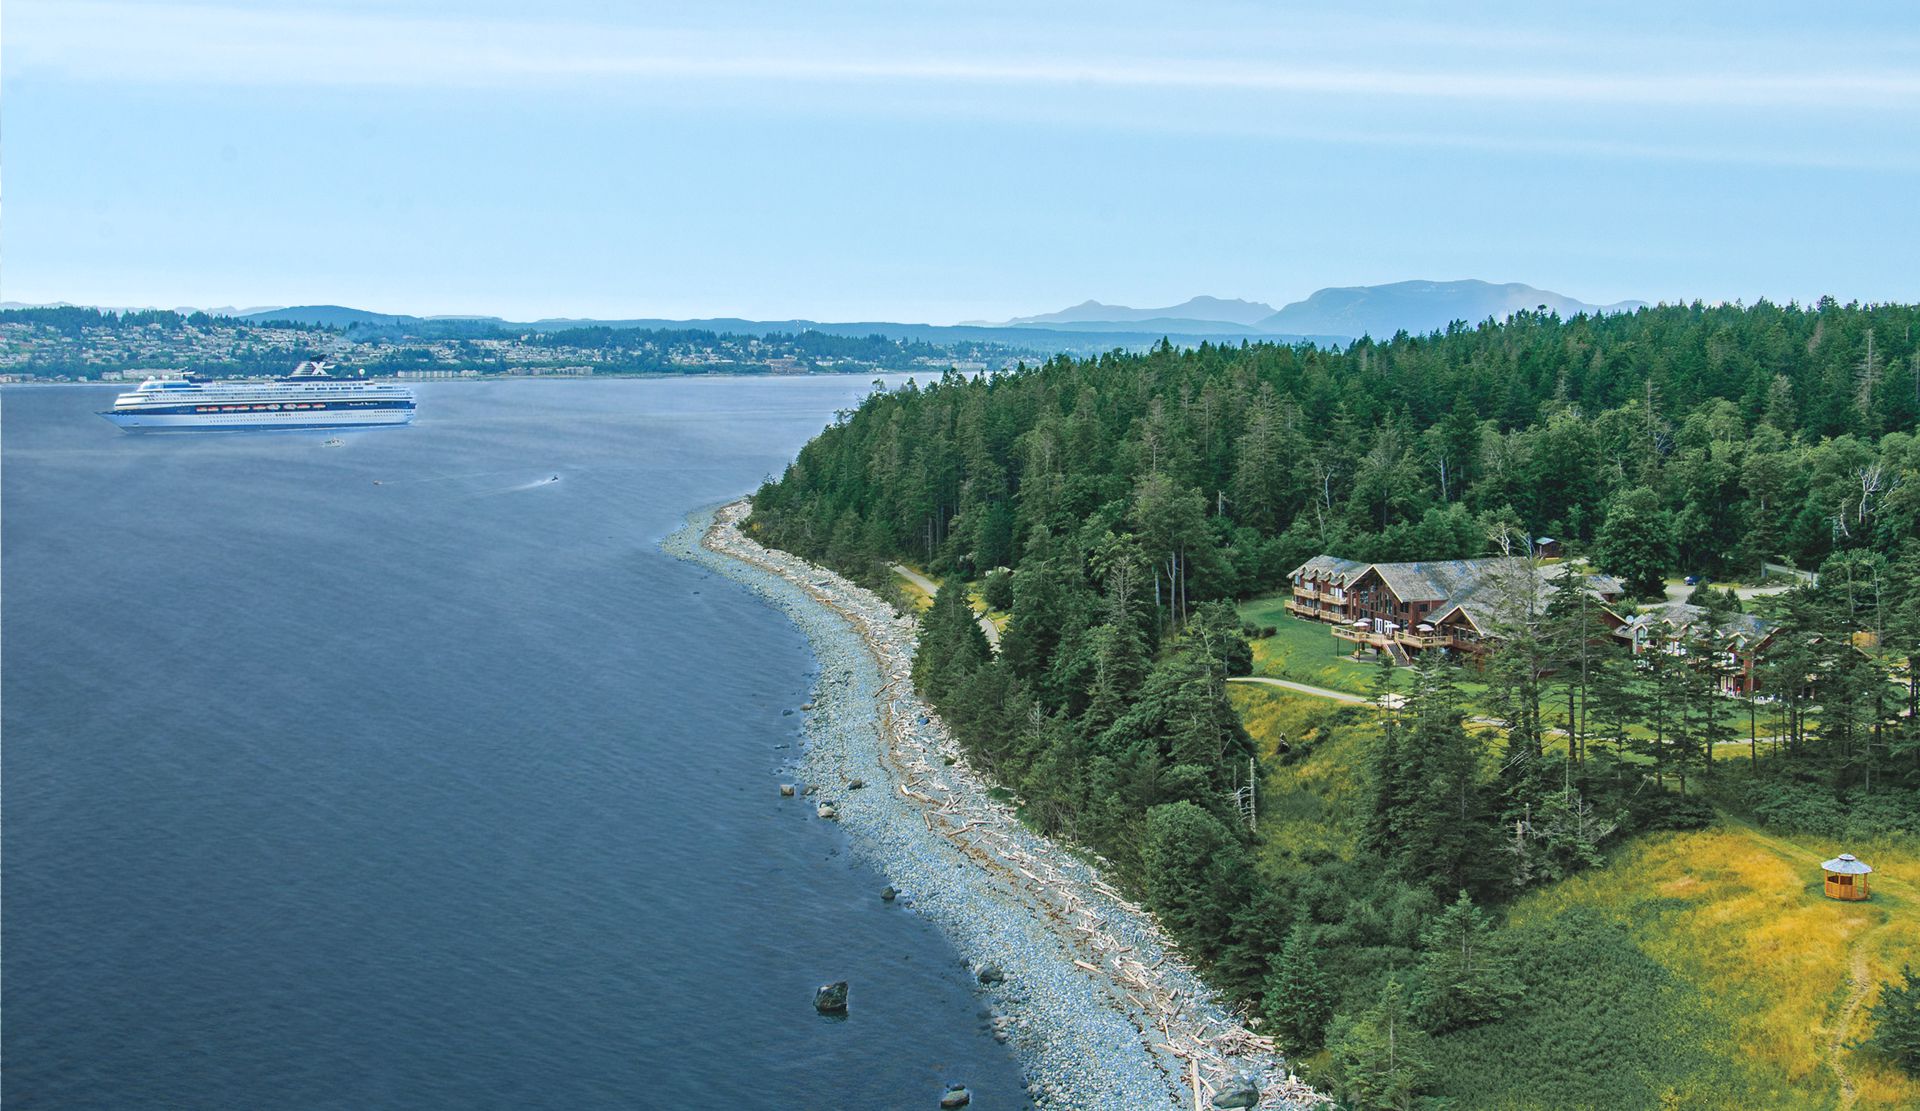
[
  {"x": 1546, "y": 547},
  {"x": 1736, "y": 640},
  {"x": 1402, "y": 609},
  {"x": 1846, "y": 878}
]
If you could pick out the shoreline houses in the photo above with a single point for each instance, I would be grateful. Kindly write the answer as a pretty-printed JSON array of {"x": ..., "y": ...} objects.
[{"x": 1458, "y": 606}]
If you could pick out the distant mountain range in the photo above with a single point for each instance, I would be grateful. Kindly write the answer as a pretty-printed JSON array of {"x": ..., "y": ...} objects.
[
  {"x": 1198, "y": 310},
  {"x": 1418, "y": 307},
  {"x": 1347, "y": 312}
]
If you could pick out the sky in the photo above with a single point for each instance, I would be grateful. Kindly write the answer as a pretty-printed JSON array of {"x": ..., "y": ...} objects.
[{"x": 941, "y": 162}]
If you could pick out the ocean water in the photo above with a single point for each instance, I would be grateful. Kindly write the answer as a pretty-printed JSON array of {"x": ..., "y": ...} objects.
[{"x": 395, "y": 775}]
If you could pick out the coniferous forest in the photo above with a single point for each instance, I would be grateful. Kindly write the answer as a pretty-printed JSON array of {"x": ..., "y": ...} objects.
[{"x": 1118, "y": 507}]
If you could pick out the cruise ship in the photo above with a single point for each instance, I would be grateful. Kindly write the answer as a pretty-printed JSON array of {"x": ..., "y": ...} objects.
[{"x": 307, "y": 398}]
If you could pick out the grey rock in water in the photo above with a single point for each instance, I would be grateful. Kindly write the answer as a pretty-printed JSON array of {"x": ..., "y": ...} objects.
[
  {"x": 786, "y": 713},
  {"x": 786, "y": 790},
  {"x": 1242, "y": 1091},
  {"x": 831, "y": 999},
  {"x": 888, "y": 894},
  {"x": 827, "y": 811},
  {"x": 957, "y": 1096},
  {"x": 991, "y": 974}
]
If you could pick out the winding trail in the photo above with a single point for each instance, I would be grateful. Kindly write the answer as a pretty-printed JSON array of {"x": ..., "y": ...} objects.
[
  {"x": 932, "y": 588},
  {"x": 1860, "y": 981},
  {"x": 1303, "y": 688}
]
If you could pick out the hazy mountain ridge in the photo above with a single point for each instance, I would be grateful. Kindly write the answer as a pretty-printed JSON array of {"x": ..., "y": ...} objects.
[
  {"x": 1422, "y": 306},
  {"x": 1344, "y": 312},
  {"x": 1195, "y": 309}
]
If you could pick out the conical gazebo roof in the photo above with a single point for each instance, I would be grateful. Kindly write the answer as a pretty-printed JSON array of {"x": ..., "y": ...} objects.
[{"x": 1845, "y": 864}]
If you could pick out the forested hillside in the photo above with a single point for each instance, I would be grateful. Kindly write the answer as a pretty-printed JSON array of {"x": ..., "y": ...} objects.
[
  {"x": 1129, "y": 499},
  {"x": 1703, "y": 438}
]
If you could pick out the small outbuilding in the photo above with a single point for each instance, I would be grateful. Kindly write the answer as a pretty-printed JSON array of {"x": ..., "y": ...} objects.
[
  {"x": 1847, "y": 878},
  {"x": 1546, "y": 547}
]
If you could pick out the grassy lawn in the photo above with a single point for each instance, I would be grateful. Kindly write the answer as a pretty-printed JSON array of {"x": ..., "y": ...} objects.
[{"x": 1306, "y": 651}]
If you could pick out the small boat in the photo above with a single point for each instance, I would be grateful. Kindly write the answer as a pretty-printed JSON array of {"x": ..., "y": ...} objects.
[{"x": 333, "y": 441}]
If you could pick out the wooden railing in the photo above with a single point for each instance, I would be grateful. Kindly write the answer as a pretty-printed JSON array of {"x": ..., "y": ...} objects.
[{"x": 1404, "y": 639}]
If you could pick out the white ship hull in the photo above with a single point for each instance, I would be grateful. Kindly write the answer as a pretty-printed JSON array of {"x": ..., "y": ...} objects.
[{"x": 256, "y": 421}]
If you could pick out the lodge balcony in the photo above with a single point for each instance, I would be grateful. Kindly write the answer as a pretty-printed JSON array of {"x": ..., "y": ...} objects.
[{"x": 1417, "y": 641}]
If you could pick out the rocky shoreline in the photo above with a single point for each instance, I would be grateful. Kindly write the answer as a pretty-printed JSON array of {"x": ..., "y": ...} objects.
[{"x": 1102, "y": 1011}]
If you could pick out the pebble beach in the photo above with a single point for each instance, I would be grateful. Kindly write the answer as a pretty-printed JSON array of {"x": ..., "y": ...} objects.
[{"x": 1082, "y": 983}]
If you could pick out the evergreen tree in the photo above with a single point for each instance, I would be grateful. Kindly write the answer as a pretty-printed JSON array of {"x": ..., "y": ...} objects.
[
  {"x": 1192, "y": 870},
  {"x": 950, "y": 648},
  {"x": 1381, "y": 1059},
  {"x": 1896, "y": 1021},
  {"x": 1636, "y": 543},
  {"x": 1465, "y": 977},
  {"x": 1298, "y": 1000}
]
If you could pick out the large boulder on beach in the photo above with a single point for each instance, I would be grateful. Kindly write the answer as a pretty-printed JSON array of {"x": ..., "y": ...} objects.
[
  {"x": 827, "y": 811},
  {"x": 786, "y": 790},
  {"x": 957, "y": 1096},
  {"x": 888, "y": 894},
  {"x": 991, "y": 974},
  {"x": 831, "y": 999},
  {"x": 1241, "y": 1091}
]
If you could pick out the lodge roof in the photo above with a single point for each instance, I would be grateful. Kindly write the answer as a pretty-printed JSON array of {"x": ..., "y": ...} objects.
[
  {"x": 1329, "y": 567},
  {"x": 1474, "y": 589}
]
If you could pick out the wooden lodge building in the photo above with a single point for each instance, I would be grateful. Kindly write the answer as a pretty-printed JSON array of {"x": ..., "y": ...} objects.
[
  {"x": 1407, "y": 608},
  {"x": 1454, "y": 606}
]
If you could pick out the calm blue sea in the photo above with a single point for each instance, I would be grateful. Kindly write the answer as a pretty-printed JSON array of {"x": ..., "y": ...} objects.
[{"x": 391, "y": 775}]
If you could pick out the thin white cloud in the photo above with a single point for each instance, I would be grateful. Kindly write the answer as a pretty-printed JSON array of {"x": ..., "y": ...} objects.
[{"x": 198, "y": 44}]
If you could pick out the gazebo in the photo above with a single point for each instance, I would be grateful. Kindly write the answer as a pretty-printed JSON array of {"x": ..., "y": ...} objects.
[{"x": 1847, "y": 878}]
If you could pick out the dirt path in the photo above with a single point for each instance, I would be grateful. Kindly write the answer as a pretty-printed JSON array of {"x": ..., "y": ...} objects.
[
  {"x": 1303, "y": 688},
  {"x": 1860, "y": 981},
  {"x": 932, "y": 588}
]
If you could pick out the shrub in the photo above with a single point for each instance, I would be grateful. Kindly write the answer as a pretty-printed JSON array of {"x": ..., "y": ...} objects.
[{"x": 997, "y": 589}]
